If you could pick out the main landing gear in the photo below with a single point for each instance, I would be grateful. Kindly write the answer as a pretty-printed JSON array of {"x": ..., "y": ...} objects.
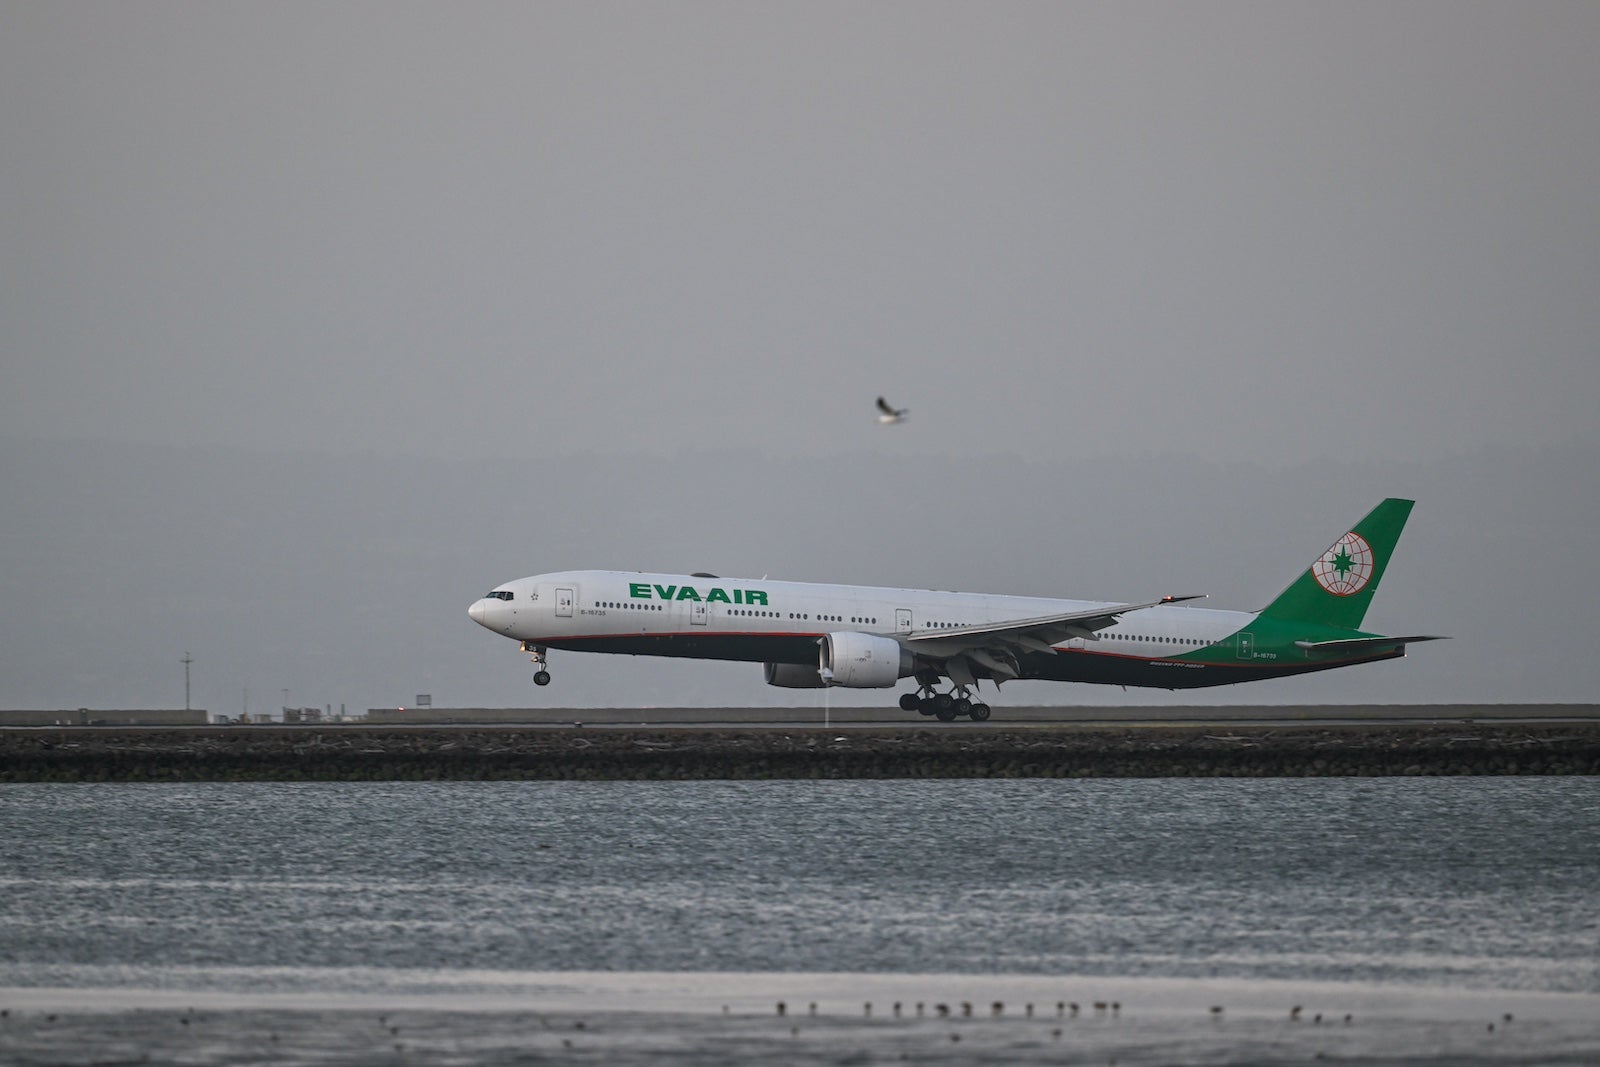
[
  {"x": 946, "y": 707},
  {"x": 541, "y": 676}
]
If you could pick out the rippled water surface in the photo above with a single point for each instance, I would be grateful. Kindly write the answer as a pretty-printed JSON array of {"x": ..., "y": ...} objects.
[{"x": 1465, "y": 882}]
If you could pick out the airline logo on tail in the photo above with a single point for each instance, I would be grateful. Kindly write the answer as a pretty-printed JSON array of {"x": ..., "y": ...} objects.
[{"x": 1346, "y": 567}]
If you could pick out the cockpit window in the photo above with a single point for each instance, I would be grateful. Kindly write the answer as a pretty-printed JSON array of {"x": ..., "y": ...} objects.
[{"x": 499, "y": 594}]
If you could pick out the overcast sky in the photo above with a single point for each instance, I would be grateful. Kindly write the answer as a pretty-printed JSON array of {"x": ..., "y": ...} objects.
[{"x": 348, "y": 312}]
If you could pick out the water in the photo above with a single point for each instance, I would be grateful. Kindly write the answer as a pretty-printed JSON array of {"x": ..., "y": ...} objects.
[{"x": 1464, "y": 883}]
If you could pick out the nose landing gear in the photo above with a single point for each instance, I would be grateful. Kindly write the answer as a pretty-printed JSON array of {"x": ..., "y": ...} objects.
[{"x": 541, "y": 676}]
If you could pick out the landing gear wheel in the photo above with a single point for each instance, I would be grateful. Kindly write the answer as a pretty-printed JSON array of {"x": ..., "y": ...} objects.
[
  {"x": 979, "y": 712},
  {"x": 909, "y": 701},
  {"x": 963, "y": 706},
  {"x": 944, "y": 707},
  {"x": 537, "y": 652}
]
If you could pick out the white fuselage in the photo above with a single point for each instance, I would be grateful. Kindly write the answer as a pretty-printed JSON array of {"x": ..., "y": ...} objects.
[{"x": 613, "y": 610}]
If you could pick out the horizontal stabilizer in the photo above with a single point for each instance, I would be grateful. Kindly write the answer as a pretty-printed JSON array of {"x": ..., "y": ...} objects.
[{"x": 1364, "y": 644}]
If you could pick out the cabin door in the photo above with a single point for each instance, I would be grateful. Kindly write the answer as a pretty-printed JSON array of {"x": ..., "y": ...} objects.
[
  {"x": 902, "y": 620},
  {"x": 564, "y": 599},
  {"x": 698, "y": 611}
]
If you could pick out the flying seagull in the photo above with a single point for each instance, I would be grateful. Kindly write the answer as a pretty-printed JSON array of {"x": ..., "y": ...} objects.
[{"x": 890, "y": 415}]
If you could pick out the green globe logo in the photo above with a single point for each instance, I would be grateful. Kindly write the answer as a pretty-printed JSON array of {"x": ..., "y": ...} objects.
[{"x": 1345, "y": 568}]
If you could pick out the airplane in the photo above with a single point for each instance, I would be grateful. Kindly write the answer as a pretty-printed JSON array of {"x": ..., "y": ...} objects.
[
  {"x": 888, "y": 414},
  {"x": 810, "y": 635}
]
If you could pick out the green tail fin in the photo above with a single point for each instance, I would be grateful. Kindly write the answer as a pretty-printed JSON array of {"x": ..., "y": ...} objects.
[{"x": 1336, "y": 589}]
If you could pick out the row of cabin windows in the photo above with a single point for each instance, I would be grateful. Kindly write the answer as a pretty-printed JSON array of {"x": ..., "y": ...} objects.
[
  {"x": 1159, "y": 640},
  {"x": 625, "y": 605},
  {"x": 804, "y": 617},
  {"x": 857, "y": 619}
]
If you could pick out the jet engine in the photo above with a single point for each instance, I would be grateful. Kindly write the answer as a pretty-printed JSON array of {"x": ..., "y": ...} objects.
[
  {"x": 792, "y": 676},
  {"x": 863, "y": 661}
]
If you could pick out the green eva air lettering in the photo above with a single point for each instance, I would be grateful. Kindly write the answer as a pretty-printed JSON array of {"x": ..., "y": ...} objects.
[{"x": 714, "y": 595}]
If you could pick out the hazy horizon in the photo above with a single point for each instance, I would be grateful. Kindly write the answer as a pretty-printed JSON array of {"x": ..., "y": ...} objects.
[{"x": 356, "y": 592}]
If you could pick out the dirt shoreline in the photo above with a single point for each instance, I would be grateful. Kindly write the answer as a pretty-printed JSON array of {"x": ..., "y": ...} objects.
[{"x": 462, "y": 753}]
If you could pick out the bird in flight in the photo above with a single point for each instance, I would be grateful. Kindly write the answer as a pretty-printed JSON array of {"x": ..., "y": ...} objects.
[{"x": 890, "y": 415}]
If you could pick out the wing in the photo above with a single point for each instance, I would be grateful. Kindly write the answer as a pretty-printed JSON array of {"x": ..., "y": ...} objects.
[
  {"x": 883, "y": 406},
  {"x": 996, "y": 645}
]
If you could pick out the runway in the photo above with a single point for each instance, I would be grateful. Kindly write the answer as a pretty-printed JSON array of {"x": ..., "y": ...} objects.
[{"x": 889, "y": 715}]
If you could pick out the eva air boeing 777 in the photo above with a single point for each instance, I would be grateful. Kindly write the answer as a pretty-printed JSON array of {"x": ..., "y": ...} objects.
[{"x": 808, "y": 635}]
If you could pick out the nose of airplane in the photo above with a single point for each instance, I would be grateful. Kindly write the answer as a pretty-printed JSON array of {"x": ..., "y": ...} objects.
[{"x": 479, "y": 611}]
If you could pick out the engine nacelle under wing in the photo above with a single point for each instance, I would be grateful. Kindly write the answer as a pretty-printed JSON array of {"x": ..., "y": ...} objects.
[
  {"x": 863, "y": 661},
  {"x": 792, "y": 676}
]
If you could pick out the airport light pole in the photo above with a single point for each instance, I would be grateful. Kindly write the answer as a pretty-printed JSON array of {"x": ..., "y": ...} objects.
[{"x": 187, "y": 659}]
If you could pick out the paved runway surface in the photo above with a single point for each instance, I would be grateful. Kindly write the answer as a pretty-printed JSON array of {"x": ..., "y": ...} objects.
[{"x": 889, "y": 715}]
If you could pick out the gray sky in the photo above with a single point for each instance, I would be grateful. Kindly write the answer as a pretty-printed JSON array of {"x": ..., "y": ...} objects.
[{"x": 360, "y": 309}]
